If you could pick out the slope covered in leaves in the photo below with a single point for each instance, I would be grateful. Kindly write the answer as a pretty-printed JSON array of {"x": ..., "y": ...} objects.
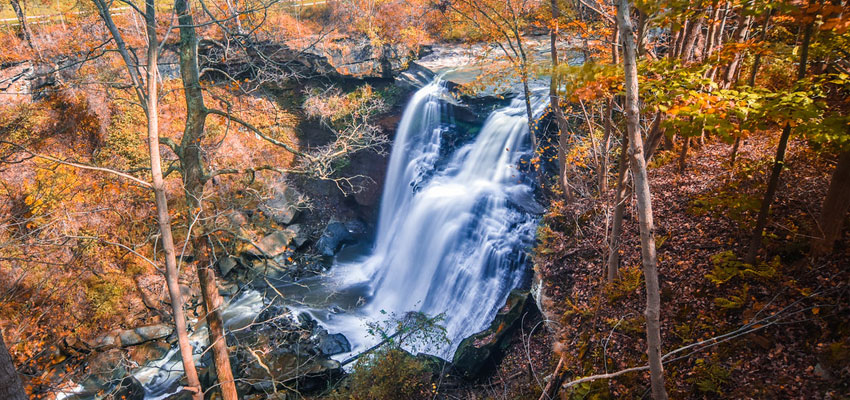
[{"x": 777, "y": 329}]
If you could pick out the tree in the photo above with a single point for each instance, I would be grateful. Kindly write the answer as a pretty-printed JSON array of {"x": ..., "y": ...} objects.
[
  {"x": 21, "y": 14},
  {"x": 147, "y": 94},
  {"x": 10, "y": 382},
  {"x": 502, "y": 23},
  {"x": 190, "y": 154},
  {"x": 779, "y": 161},
  {"x": 835, "y": 206},
  {"x": 644, "y": 203},
  {"x": 555, "y": 104}
]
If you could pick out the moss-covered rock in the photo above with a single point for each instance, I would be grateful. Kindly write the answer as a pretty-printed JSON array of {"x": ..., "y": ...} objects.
[{"x": 478, "y": 353}]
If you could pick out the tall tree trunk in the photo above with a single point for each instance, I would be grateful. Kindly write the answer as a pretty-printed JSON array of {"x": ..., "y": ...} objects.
[
  {"x": 609, "y": 115},
  {"x": 835, "y": 206},
  {"x": 555, "y": 104},
  {"x": 678, "y": 43},
  {"x": 779, "y": 162},
  {"x": 162, "y": 216},
  {"x": 644, "y": 205},
  {"x": 149, "y": 105},
  {"x": 606, "y": 144},
  {"x": 712, "y": 27},
  {"x": 10, "y": 383},
  {"x": 194, "y": 179}
]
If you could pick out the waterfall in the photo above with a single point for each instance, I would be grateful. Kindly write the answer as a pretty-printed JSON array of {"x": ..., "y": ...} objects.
[{"x": 451, "y": 233}]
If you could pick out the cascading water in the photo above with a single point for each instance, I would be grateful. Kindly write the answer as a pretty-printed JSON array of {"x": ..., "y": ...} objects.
[
  {"x": 451, "y": 239},
  {"x": 452, "y": 233}
]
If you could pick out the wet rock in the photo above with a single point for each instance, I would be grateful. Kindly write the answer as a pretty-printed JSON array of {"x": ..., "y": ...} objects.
[
  {"x": 286, "y": 366},
  {"x": 265, "y": 268},
  {"x": 283, "y": 207},
  {"x": 105, "y": 341},
  {"x": 129, "y": 389},
  {"x": 333, "y": 344},
  {"x": 132, "y": 337},
  {"x": 478, "y": 353},
  {"x": 272, "y": 245},
  {"x": 226, "y": 264},
  {"x": 301, "y": 236},
  {"x": 434, "y": 364},
  {"x": 335, "y": 235}
]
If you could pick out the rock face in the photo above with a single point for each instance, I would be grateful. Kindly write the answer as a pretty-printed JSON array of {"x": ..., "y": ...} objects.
[
  {"x": 336, "y": 235},
  {"x": 358, "y": 58},
  {"x": 478, "y": 353}
]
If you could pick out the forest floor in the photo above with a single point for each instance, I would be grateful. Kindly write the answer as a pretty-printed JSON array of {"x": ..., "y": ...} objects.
[{"x": 789, "y": 313}]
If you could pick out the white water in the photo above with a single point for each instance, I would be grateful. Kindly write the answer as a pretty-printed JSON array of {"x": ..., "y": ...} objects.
[
  {"x": 160, "y": 378},
  {"x": 449, "y": 240}
]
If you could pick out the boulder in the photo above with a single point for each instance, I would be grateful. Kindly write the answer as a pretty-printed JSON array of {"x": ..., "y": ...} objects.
[
  {"x": 226, "y": 264},
  {"x": 272, "y": 245},
  {"x": 132, "y": 337},
  {"x": 478, "y": 353},
  {"x": 282, "y": 208},
  {"x": 301, "y": 236},
  {"x": 333, "y": 344},
  {"x": 335, "y": 235},
  {"x": 287, "y": 366}
]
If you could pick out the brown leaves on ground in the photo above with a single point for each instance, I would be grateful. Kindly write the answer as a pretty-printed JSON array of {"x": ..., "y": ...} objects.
[{"x": 703, "y": 221}]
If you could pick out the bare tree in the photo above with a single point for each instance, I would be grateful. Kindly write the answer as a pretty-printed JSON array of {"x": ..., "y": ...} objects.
[
  {"x": 147, "y": 95},
  {"x": 644, "y": 203}
]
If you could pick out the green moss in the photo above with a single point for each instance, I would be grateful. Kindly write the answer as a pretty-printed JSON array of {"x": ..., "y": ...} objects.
[{"x": 104, "y": 296}]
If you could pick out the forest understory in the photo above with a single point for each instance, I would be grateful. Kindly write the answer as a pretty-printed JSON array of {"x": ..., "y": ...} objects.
[{"x": 778, "y": 329}]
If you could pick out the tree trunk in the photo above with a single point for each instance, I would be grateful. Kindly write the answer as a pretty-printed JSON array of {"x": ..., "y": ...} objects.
[
  {"x": 606, "y": 144},
  {"x": 835, "y": 206},
  {"x": 163, "y": 218},
  {"x": 683, "y": 154},
  {"x": 778, "y": 164},
  {"x": 555, "y": 105},
  {"x": 644, "y": 205},
  {"x": 739, "y": 36},
  {"x": 678, "y": 43},
  {"x": 654, "y": 137},
  {"x": 619, "y": 211},
  {"x": 194, "y": 179},
  {"x": 690, "y": 39},
  {"x": 10, "y": 383},
  {"x": 149, "y": 105}
]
